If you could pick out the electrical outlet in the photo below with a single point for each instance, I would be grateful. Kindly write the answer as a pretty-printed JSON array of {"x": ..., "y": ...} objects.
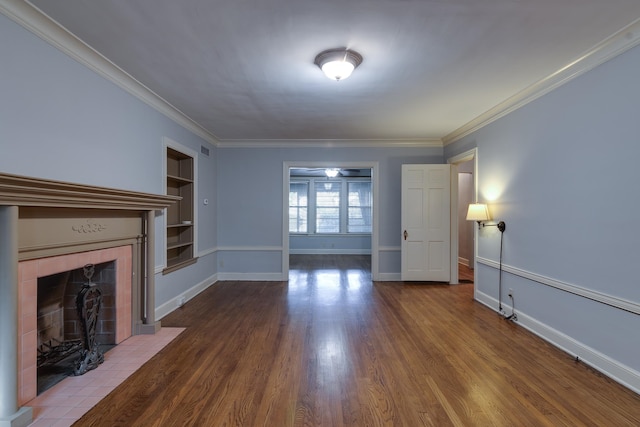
[{"x": 510, "y": 293}]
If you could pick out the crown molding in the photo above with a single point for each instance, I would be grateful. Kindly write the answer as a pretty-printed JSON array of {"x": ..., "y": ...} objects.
[
  {"x": 34, "y": 20},
  {"x": 330, "y": 143},
  {"x": 618, "y": 43}
]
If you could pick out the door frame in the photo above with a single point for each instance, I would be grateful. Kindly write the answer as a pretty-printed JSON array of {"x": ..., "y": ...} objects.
[
  {"x": 330, "y": 164},
  {"x": 454, "y": 161}
]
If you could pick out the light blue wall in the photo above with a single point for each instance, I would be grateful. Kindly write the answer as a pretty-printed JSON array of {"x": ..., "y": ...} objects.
[
  {"x": 59, "y": 120},
  {"x": 250, "y": 199},
  {"x": 330, "y": 244},
  {"x": 562, "y": 173}
]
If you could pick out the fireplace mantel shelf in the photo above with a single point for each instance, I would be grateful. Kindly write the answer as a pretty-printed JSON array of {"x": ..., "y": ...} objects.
[{"x": 18, "y": 190}]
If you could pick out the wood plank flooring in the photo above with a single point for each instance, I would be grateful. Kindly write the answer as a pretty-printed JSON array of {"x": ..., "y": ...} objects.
[
  {"x": 465, "y": 274},
  {"x": 331, "y": 348}
]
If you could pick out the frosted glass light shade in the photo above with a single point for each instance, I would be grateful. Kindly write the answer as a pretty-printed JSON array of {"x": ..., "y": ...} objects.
[
  {"x": 478, "y": 212},
  {"x": 338, "y": 64},
  {"x": 338, "y": 70}
]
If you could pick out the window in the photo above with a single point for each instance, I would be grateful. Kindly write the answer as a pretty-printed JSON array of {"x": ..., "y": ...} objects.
[
  {"x": 359, "y": 207},
  {"x": 298, "y": 207},
  {"x": 336, "y": 206},
  {"x": 328, "y": 207}
]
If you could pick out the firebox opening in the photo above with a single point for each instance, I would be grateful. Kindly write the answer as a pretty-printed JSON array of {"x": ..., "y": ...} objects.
[{"x": 59, "y": 323}]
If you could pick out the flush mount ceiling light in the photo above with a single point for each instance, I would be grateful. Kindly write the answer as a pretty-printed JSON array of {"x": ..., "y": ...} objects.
[{"x": 338, "y": 64}]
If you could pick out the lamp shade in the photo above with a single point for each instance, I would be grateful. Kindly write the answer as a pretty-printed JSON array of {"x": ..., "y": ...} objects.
[{"x": 478, "y": 212}]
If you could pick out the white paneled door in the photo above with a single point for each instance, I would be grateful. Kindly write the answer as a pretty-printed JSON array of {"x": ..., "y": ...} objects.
[{"x": 426, "y": 229}]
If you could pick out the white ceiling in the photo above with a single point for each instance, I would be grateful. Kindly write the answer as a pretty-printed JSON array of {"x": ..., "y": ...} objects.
[{"x": 243, "y": 69}]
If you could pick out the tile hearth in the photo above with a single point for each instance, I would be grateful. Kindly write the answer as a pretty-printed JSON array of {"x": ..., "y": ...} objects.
[{"x": 61, "y": 405}]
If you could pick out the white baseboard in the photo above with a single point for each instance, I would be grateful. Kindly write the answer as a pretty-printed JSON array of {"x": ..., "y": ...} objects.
[
  {"x": 254, "y": 277},
  {"x": 464, "y": 261},
  {"x": 615, "y": 370},
  {"x": 174, "y": 303}
]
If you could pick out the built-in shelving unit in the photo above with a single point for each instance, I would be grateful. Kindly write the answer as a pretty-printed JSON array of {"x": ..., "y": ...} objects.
[{"x": 180, "y": 218}]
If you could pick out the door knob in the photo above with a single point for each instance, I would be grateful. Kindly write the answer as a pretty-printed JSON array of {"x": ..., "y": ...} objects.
[{"x": 405, "y": 234}]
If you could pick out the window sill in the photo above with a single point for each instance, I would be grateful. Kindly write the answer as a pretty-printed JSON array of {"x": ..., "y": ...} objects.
[{"x": 327, "y": 234}]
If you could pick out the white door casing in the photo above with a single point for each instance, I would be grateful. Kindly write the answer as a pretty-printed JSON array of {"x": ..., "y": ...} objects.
[{"x": 426, "y": 241}]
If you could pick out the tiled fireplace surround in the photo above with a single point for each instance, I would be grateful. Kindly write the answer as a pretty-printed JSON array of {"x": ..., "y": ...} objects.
[{"x": 28, "y": 274}]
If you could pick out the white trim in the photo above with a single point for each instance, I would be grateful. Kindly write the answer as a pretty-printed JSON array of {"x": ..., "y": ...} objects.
[
  {"x": 617, "y": 371},
  {"x": 34, "y": 20},
  {"x": 254, "y": 277},
  {"x": 600, "y": 297},
  {"x": 389, "y": 249},
  {"x": 604, "y": 51},
  {"x": 463, "y": 261},
  {"x": 286, "y": 185},
  {"x": 330, "y": 252},
  {"x": 189, "y": 294},
  {"x": 206, "y": 252},
  {"x": 469, "y": 155},
  {"x": 375, "y": 185},
  {"x": 249, "y": 248},
  {"x": 328, "y": 143},
  {"x": 463, "y": 157},
  {"x": 325, "y": 235},
  {"x": 455, "y": 233},
  {"x": 454, "y": 238}
]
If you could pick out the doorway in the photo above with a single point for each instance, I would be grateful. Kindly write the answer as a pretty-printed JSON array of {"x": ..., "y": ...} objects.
[
  {"x": 348, "y": 167},
  {"x": 466, "y": 252},
  {"x": 464, "y": 178}
]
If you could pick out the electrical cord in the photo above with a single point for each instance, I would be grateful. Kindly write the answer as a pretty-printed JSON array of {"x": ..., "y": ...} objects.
[
  {"x": 502, "y": 227},
  {"x": 500, "y": 276},
  {"x": 513, "y": 315}
]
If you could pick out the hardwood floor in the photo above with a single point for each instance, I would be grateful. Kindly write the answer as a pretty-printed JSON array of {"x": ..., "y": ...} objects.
[
  {"x": 465, "y": 274},
  {"x": 309, "y": 263},
  {"x": 331, "y": 348}
]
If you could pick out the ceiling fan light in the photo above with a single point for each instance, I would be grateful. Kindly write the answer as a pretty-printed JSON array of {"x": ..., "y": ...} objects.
[
  {"x": 332, "y": 172},
  {"x": 338, "y": 64}
]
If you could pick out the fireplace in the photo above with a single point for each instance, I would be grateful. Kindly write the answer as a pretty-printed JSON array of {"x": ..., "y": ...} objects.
[
  {"x": 76, "y": 319},
  {"x": 52, "y": 228},
  {"x": 47, "y": 315},
  {"x": 30, "y": 272},
  {"x": 57, "y": 310}
]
